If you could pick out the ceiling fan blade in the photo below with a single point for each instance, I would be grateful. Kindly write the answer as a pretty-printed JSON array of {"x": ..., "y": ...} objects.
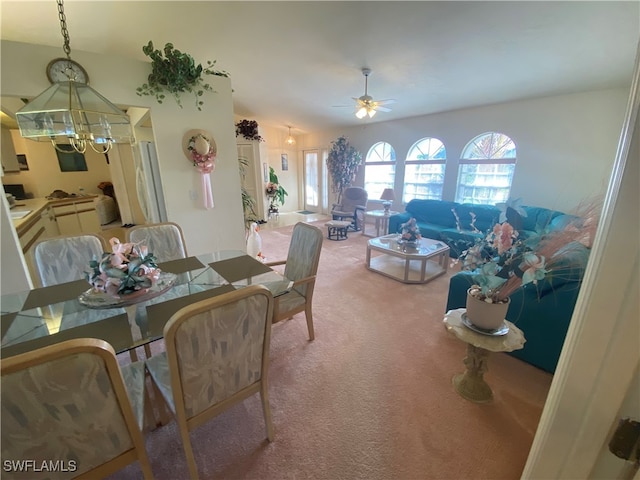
[
  {"x": 387, "y": 101},
  {"x": 380, "y": 108}
]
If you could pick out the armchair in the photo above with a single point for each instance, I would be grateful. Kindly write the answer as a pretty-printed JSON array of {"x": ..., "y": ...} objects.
[{"x": 352, "y": 207}]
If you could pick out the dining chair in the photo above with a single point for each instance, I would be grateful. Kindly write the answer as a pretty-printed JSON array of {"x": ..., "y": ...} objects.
[
  {"x": 301, "y": 266},
  {"x": 65, "y": 258},
  {"x": 71, "y": 405},
  {"x": 165, "y": 240},
  {"x": 217, "y": 355}
]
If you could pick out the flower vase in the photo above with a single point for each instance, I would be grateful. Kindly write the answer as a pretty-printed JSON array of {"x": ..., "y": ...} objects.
[{"x": 484, "y": 315}]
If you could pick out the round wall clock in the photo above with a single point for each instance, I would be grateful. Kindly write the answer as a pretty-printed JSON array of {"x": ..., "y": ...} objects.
[{"x": 60, "y": 69}]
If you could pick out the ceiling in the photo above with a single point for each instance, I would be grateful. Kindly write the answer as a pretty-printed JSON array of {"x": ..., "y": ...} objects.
[{"x": 292, "y": 63}]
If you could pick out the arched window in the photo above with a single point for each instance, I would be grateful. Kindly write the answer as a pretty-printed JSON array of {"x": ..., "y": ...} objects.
[
  {"x": 486, "y": 169},
  {"x": 424, "y": 170},
  {"x": 379, "y": 169}
]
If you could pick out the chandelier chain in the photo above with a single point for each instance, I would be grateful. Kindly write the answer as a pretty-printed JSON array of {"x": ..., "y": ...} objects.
[{"x": 63, "y": 25}]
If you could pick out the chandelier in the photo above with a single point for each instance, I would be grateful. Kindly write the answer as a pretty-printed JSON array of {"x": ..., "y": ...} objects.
[
  {"x": 290, "y": 140},
  {"x": 73, "y": 113}
]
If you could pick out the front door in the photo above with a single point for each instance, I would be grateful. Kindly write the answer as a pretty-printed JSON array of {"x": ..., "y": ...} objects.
[{"x": 312, "y": 175}]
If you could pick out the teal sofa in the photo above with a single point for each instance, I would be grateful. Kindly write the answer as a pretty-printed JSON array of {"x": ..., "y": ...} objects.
[
  {"x": 543, "y": 312},
  {"x": 460, "y": 224}
]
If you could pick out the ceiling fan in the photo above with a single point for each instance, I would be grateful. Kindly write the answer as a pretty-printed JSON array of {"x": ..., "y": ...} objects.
[{"x": 366, "y": 105}]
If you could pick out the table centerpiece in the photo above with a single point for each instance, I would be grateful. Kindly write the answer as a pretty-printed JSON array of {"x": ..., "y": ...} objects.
[{"x": 127, "y": 275}]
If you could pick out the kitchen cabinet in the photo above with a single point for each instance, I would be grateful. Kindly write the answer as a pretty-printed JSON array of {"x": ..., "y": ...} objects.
[
  {"x": 78, "y": 216},
  {"x": 37, "y": 227}
]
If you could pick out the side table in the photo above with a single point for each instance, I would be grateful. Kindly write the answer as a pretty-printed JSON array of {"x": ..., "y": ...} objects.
[
  {"x": 471, "y": 384},
  {"x": 381, "y": 222}
]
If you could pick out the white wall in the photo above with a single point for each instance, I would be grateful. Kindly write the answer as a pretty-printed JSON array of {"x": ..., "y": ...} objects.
[
  {"x": 23, "y": 74},
  {"x": 566, "y": 145}
]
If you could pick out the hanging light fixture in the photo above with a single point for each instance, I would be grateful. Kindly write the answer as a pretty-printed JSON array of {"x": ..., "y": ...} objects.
[
  {"x": 73, "y": 113},
  {"x": 290, "y": 140}
]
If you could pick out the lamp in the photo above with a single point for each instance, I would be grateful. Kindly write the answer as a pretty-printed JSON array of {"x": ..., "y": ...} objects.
[
  {"x": 74, "y": 113},
  {"x": 389, "y": 197},
  {"x": 364, "y": 111},
  {"x": 290, "y": 140}
]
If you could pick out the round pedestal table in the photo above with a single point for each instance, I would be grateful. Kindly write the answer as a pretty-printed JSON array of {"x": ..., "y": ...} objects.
[{"x": 471, "y": 384}]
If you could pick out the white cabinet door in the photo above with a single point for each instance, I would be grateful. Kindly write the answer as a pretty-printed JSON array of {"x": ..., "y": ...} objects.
[{"x": 89, "y": 221}]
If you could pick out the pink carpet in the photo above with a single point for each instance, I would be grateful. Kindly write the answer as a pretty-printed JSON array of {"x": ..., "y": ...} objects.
[{"x": 371, "y": 397}]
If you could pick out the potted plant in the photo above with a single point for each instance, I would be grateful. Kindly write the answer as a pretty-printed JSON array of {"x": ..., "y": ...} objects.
[
  {"x": 275, "y": 192},
  {"x": 343, "y": 162},
  {"x": 175, "y": 72},
  {"x": 248, "y": 202}
]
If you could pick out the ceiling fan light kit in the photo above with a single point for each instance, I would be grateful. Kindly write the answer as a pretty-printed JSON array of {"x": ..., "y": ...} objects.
[{"x": 366, "y": 105}]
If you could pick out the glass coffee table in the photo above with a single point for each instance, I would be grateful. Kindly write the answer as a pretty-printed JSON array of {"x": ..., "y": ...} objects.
[{"x": 408, "y": 264}]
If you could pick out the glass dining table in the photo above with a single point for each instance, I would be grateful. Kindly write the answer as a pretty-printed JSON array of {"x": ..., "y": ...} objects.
[{"x": 43, "y": 316}]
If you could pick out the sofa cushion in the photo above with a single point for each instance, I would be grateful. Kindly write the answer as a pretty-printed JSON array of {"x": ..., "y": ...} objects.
[
  {"x": 437, "y": 212},
  {"x": 538, "y": 218},
  {"x": 430, "y": 230},
  {"x": 459, "y": 241},
  {"x": 486, "y": 216}
]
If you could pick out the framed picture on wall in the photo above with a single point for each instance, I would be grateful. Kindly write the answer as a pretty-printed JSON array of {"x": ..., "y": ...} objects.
[
  {"x": 265, "y": 172},
  {"x": 70, "y": 160},
  {"x": 285, "y": 162},
  {"x": 22, "y": 162}
]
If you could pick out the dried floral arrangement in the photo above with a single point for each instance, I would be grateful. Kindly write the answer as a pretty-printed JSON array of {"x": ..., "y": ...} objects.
[{"x": 249, "y": 130}]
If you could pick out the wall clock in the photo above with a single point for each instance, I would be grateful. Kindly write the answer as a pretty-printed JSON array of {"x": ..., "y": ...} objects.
[{"x": 60, "y": 69}]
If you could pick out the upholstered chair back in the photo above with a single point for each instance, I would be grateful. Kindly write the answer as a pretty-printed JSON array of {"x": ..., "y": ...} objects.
[
  {"x": 65, "y": 259},
  {"x": 353, "y": 197},
  {"x": 217, "y": 354},
  {"x": 304, "y": 255},
  {"x": 164, "y": 240},
  {"x": 68, "y": 403}
]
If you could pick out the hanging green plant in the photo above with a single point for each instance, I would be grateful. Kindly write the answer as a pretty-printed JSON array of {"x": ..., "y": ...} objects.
[
  {"x": 174, "y": 72},
  {"x": 342, "y": 162}
]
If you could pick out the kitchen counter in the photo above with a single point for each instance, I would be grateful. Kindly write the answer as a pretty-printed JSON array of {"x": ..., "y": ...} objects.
[{"x": 35, "y": 206}]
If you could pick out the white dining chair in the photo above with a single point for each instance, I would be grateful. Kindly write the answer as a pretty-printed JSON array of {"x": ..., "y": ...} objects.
[
  {"x": 64, "y": 259},
  {"x": 217, "y": 355},
  {"x": 165, "y": 240},
  {"x": 71, "y": 402}
]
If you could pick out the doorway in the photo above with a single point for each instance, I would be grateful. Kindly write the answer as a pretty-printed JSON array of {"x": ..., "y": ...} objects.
[{"x": 315, "y": 193}]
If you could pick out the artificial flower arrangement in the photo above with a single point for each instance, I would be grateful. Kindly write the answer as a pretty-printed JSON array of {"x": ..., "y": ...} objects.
[
  {"x": 503, "y": 262},
  {"x": 129, "y": 269},
  {"x": 271, "y": 189},
  {"x": 410, "y": 231}
]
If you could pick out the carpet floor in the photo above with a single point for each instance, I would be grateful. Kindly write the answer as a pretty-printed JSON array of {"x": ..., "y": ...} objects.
[{"x": 371, "y": 397}]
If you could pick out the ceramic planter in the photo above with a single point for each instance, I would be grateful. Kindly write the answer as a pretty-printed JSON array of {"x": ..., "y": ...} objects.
[{"x": 488, "y": 316}]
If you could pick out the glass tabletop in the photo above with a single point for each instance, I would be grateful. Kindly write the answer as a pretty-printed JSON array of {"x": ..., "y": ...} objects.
[
  {"x": 42, "y": 316},
  {"x": 424, "y": 247}
]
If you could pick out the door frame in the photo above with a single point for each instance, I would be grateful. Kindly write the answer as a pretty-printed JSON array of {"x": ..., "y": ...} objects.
[{"x": 601, "y": 352}]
